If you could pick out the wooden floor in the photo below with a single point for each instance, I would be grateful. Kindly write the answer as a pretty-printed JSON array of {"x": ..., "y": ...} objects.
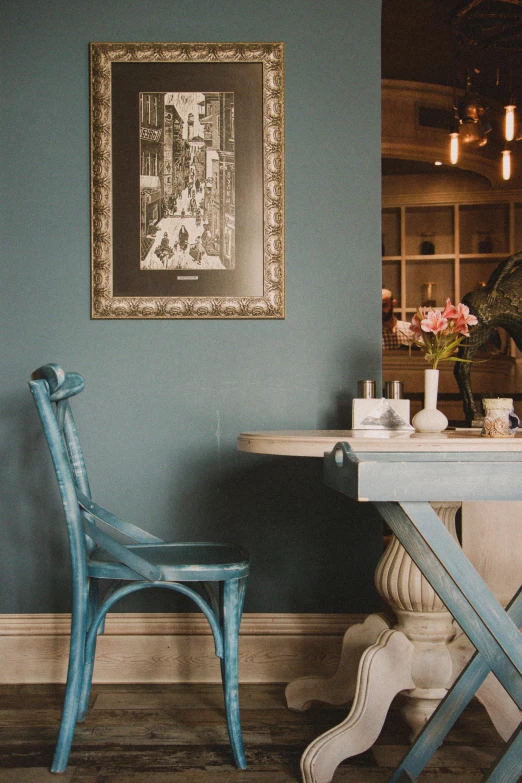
[{"x": 177, "y": 734}]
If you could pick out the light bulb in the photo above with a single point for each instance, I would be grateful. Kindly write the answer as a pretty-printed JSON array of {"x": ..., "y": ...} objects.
[
  {"x": 509, "y": 128},
  {"x": 454, "y": 147},
  {"x": 506, "y": 164}
]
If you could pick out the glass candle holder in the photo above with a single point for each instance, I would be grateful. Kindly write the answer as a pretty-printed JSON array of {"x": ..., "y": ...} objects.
[{"x": 428, "y": 294}]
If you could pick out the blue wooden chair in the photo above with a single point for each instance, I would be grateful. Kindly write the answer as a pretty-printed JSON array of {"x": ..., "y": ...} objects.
[{"x": 104, "y": 570}]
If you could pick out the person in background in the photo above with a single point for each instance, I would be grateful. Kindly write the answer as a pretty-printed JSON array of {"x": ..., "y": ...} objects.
[{"x": 395, "y": 334}]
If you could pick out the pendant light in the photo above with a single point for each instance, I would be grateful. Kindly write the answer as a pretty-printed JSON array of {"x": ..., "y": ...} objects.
[
  {"x": 506, "y": 164},
  {"x": 509, "y": 122},
  {"x": 492, "y": 25}
]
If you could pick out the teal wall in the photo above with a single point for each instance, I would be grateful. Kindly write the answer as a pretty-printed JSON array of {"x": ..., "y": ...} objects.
[{"x": 165, "y": 400}]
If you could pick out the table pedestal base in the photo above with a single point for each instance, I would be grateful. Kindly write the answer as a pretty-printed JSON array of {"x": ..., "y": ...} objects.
[
  {"x": 382, "y": 671},
  {"x": 421, "y": 656}
]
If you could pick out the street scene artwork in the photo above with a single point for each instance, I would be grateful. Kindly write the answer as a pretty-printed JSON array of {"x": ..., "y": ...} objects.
[{"x": 187, "y": 181}]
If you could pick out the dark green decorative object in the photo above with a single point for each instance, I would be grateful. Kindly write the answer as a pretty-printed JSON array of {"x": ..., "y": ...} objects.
[{"x": 497, "y": 304}]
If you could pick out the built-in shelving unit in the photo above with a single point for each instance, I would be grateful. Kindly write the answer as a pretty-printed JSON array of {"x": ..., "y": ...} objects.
[{"x": 436, "y": 250}]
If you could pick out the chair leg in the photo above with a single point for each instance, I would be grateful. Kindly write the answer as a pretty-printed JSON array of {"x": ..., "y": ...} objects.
[
  {"x": 232, "y": 592},
  {"x": 90, "y": 651},
  {"x": 72, "y": 689}
]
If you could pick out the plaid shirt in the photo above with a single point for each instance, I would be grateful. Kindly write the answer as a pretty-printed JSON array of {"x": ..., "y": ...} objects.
[{"x": 398, "y": 337}]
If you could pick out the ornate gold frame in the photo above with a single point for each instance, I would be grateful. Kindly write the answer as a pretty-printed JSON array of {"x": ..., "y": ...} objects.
[{"x": 270, "y": 302}]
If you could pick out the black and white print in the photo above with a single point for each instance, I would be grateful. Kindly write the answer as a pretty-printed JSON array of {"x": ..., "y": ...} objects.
[{"x": 187, "y": 181}]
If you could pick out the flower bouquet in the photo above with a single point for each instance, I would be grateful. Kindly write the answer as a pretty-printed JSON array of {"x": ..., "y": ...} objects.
[{"x": 438, "y": 333}]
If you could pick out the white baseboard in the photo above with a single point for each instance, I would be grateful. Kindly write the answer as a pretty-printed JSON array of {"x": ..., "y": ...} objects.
[{"x": 149, "y": 648}]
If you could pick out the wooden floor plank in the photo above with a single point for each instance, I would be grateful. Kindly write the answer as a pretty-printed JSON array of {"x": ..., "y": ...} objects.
[
  {"x": 177, "y": 734},
  {"x": 34, "y": 775},
  {"x": 447, "y": 757},
  {"x": 146, "y": 697}
]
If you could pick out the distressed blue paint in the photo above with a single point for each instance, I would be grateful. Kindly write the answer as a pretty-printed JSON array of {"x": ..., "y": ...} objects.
[
  {"x": 412, "y": 477},
  {"x": 452, "y": 706},
  {"x": 494, "y": 632},
  {"x": 148, "y": 562},
  {"x": 507, "y": 767},
  {"x": 454, "y": 579}
]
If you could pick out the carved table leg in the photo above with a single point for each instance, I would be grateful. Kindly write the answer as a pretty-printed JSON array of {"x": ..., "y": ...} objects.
[
  {"x": 340, "y": 688},
  {"x": 384, "y": 671},
  {"x": 424, "y": 620},
  {"x": 412, "y": 657}
]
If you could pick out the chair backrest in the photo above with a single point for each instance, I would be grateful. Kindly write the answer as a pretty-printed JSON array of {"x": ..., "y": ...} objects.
[{"x": 51, "y": 388}]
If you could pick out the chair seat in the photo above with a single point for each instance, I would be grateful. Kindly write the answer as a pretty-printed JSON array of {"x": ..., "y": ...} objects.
[{"x": 178, "y": 562}]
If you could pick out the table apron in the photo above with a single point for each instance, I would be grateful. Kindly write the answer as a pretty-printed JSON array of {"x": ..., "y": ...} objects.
[{"x": 366, "y": 480}]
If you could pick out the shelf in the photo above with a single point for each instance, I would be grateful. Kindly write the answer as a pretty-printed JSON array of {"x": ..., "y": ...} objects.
[
  {"x": 430, "y": 258},
  {"x": 469, "y": 238},
  {"x": 432, "y": 225},
  {"x": 475, "y": 271},
  {"x": 440, "y": 272},
  {"x": 391, "y": 232},
  {"x": 484, "y": 224},
  {"x": 493, "y": 256},
  {"x": 391, "y": 277}
]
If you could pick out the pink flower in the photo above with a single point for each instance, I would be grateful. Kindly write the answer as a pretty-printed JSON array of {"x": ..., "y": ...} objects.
[
  {"x": 434, "y": 322},
  {"x": 461, "y": 327},
  {"x": 460, "y": 316},
  {"x": 416, "y": 325},
  {"x": 464, "y": 318},
  {"x": 439, "y": 334},
  {"x": 450, "y": 311}
]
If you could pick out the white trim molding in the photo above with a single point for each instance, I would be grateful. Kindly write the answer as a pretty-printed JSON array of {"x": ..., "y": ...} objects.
[{"x": 173, "y": 647}]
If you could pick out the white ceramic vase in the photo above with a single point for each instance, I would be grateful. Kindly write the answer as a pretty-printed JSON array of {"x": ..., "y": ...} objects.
[{"x": 429, "y": 419}]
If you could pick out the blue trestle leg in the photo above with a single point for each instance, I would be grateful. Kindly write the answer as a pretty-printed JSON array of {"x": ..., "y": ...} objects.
[
  {"x": 449, "y": 710},
  {"x": 465, "y": 595},
  {"x": 507, "y": 767},
  {"x": 495, "y": 634}
]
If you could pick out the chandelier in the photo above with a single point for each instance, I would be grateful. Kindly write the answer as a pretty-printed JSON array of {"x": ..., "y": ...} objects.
[{"x": 490, "y": 24}]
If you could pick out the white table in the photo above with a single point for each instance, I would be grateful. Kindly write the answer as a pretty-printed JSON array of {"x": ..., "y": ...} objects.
[{"x": 422, "y": 651}]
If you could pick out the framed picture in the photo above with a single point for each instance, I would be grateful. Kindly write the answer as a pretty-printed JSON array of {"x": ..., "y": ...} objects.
[{"x": 187, "y": 180}]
